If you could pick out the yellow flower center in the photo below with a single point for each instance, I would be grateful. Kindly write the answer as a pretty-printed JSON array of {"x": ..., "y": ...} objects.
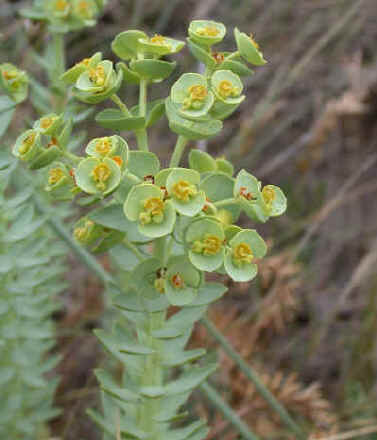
[
  {"x": 10, "y": 74},
  {"x": 177, "y": 281},
  {"x": 61, "y": 5},
  {"x": 83, "y": 9},
  {"x": 159, "y": 40},
  {"x": 159, "y": 285},
  {"x": 153, "y": 211},
  {"x": 242, "y": 253},
  {"x": 103, "y": 146},
  {"x": 85, "y": 62},
  {"x": 268, "y": 195},
  {"x": 226, "y": 89},
  {"x": 208, "y": 31},
  {"x": 81, "y": 234},
  {"x": 27, "y": 143},
  {"x": 253, "y": 42},
  {"x": 183, "y": 190},
  {"x": 97, "y": 75},
  {"x": 211, "y": 245},
  {"x": 55, "y": 175},
  {"x": 101, "y": 174},
  {"x": 198, "y": 92},
  {"x": 47, "y": 121}
]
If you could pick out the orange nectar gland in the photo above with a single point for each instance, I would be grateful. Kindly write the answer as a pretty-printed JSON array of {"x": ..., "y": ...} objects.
[
  {"x": 177, "y": 281},
  {"x": 153, "y": 211},
  {"x": 118, "y": 160},
  {"x": 208, "y": 31},
  {"x": 242, "y": 254},
  {"x": 226, "y": 89},
  {"x": 97, "y": 76},
  {"x": 268, "y": 195},
  {"x": 254, "y": 43},
  {"x": 10, "y": 74},
  {"x": 197, "y": 94},
  {"x": 103, "y": 146},
  {"x": 100, "y": 175},
  {"x": 27, "y": 143},
  {"x": 211, "y": 245},
  {"x": 246, "y": 194},
  {"x": 159, "y": 40},
  {"x": 55, "y": 175},
  {"x": 218, "y": 57},
  {"x": 183, "y": 190}
]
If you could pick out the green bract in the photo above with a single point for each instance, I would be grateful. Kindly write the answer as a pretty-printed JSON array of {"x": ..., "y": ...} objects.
[
  {"x": 247, "y": 190},
  {"x": 126, "y": 44},
  {"x": 98, "y": 83},
  {"x": 227, "y": 87},
  {"x": 182, "y": 187},
  {"x": 182, "y": 281},
  {"x": 49, "y": 124},
  {"x": 244, "y": 248},
  {"x": 191, "y": 94},
  {"x": 205, "y": 239},
  {"x": 159, "y": 45},
  {"x": 60, "y": 183},
  {"x": 113, "y": 147},
  {"x": 206, "y": 33},
  {"x": 95, "y": 176},
  {"x": 72, "y": 74},
  {"x": 28, "y": 145},
  {"x": 248, "y": 48},
  {"x": 146, "y": 205},
  {"x": 14, "y": 82}
]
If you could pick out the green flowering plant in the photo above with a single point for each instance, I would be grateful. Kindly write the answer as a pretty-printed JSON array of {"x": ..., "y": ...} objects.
[{"x": 166, "y": 228}]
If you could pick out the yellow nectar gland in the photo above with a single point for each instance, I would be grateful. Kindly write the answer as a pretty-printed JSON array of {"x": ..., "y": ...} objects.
[
  {"x": 47, "y": 121},
  {"x": 211, "y": 245},
  {"x": 196, "y": 95},
  {"x": 177, "y": 281},
  {"x": 159, "y": 285},
  {"x": 242, "y": 253},
  {"x": 159, "y": 40},
  {"x": 97, "y": 75},
  {"x": 61, "y": 5},
  {"x": 103, "y": 146},
  {"x": 84, "y": 62},
  {"x": 118, "y": 160},
  {"x": 208, "y": 31},
  {"x": 82, "y": 234},
  {"x": 10, "y": 74},
  {"x": 83, "y": 9},
  {"x": 268, "y": 195},
  {"x": 253, "y": 42},
  {"x": 183, "y": 190},
  {"x": 153, "y": 211},
  {"x": 226, "y": 89},
  {"x": 27, "y": 143},
  {"x": 100, "y": 175},
  {"x": 55, "y": 176}
]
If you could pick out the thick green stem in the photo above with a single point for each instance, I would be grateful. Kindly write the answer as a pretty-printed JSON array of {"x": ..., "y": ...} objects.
[
  {"x": 142, "y": 140},
  {"x": 71, "y": 157},
  {"x": 178, "y": 151},
  {"x": 142, "y": 135},
  {"x": 57, "y": 70},
  {"x": 122, "y": 106}
]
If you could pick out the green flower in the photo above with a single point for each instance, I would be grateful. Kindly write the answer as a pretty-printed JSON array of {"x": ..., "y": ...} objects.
[
  {"x": 259, "y": 204},
  {"x": 28, "y": 145},
  {"x": 182, "y": 281},
  {"x": 159, "y": 45},
  {"x": 244, "y": 248},
  {"x": 248, "y": 48},
  {"x": 86, "y": 231},
  {"x": 14, "y": 81},
  {"x": 206, "y": 244},
  {"x": 95, "y": 176},
  {"x": 60, "y": 182},
  {"x": 98, "y": 83},
  {"x": 206, "y": 33},
  {"x": 72, "y": 74},
  {"x": 182, "y": 187},
  {"x": 145, "y": 204},
  {"x": 85, "y": 11},
  {"x": 191, "y": 95},
  {"x": 49, "y": 124},
  {"x": 113, "y": 147},
  {"x": 227, "y": 87}
]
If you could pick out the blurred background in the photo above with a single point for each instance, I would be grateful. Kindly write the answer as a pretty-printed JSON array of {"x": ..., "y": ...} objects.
[{"x": 308, "y": 325}]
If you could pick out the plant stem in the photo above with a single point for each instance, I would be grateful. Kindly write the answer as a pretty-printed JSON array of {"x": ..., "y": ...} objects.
[
  {"x": 123, "y": 108},
  {"x": 227, "y": 411},
  {"x": 133, "y": 248},
  {"x": 70, "y": 156},
  {"x": 142, "y": 135},
  {"x": 57, "y": 70},
  {"x": 178, "y": 151},
  {"x": 226, "y": 202},
  {"x": 253, "y": 377},
  {"x": 142, "y": 140}
]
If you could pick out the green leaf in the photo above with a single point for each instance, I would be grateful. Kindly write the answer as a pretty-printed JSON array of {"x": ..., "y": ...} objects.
[
  {"x": 169, "y": 405},
  {"x": 114, "y": 119},
  {"x": 122, "y": 343},
  {"x": 201, "y": 54},
  {"x": 236, "y": 67},
  {"x": 218, "y": 186},
  {"x": 201, "y": 161},
  {"x": 143, "y": 163},
  {"x": 155, "y": 110},
  {"x": 111, "y": 387},
  {"x": 174, "y": 359},
  {"x": 248, "y": 49},
  {"x": 209, "y": 293},
  {"x": 153, "y": 69},
  {"x": 186, "y": 432},
  {"x": 190, "y": 379},
  {"x": 126, "y": 44},
  {"x": 129, "y": 76},
  {"x": 45, "y": 158},
  {"x": 111, "y": 217}
]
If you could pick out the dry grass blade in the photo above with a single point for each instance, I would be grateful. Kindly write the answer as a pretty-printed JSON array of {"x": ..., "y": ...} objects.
[{"x": 357, "y": 433}]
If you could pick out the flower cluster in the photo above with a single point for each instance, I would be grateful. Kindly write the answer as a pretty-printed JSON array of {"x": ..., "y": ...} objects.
[
  {"x": 65, "y": 15},
  {"x": 14, "y": 82}
]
